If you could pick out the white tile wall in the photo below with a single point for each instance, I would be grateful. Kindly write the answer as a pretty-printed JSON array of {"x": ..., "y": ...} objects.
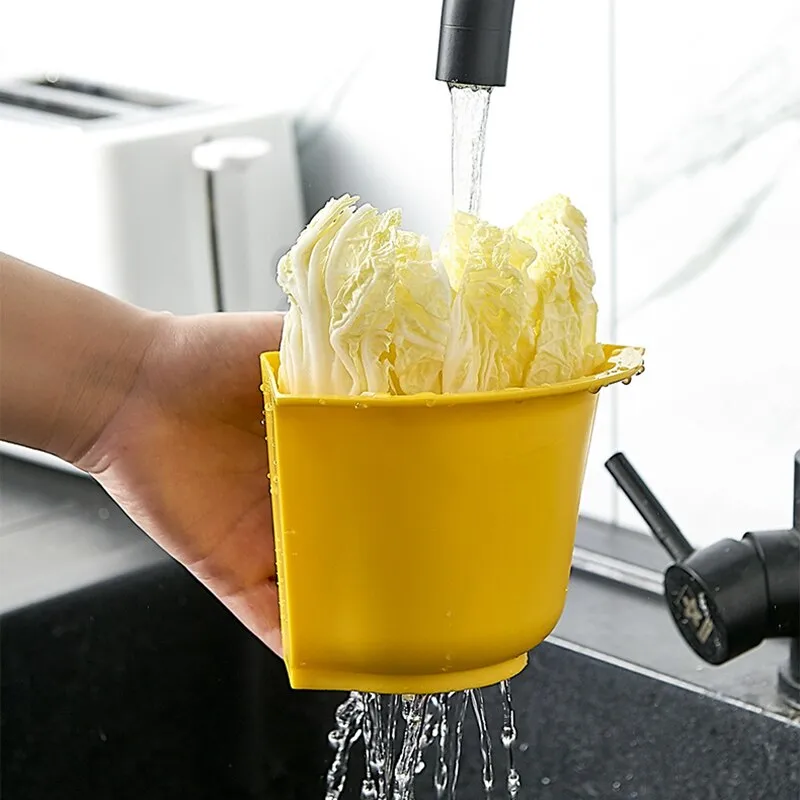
[{"x": 708, "y": 132}]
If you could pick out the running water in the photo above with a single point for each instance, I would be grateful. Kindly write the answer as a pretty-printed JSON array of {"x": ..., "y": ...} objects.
[
  {"x": 470, "y": 110},
  {"x": 400, "y": 732},
  {"x": 349, "y": 718},
  {"x": 508, "y": 737},
  {"x": 414, "y": 708},
  {"x": 476, "y": 699},
  {"x": 456, "y": 710},
  {"x": 397, "y": 731}
]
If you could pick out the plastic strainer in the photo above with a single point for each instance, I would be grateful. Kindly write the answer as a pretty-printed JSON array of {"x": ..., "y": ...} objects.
[{"x": 424, "y": 542}]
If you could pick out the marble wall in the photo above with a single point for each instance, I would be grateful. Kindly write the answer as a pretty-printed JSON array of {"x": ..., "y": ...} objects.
[
  {"x": 675, "y": 127},
  {"x": 707, "y": 131}
]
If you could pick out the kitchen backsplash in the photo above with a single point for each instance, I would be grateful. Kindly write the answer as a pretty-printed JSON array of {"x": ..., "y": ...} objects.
[
  {"x": 708, "y": 256},
  {"x": 675, "y": 128}
]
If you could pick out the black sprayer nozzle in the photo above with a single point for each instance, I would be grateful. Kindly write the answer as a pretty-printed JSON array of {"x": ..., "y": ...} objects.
[{"x": 474, "y": 41}]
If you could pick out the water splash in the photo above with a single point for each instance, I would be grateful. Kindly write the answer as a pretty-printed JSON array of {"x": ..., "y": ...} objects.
[{"x": 470, "y": 112}]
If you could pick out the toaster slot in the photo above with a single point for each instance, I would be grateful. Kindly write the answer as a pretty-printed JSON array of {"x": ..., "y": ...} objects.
[
  {"x": 133, "y": 97},
  {"x": 55, "y": 107}
]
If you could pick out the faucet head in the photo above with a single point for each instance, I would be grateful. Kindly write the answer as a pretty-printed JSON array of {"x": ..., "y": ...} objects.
[{"x": 474, "y": 42}]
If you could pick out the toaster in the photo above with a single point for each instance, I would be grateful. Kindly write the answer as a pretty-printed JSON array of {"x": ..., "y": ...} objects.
[{"x": 170, "y": 203}]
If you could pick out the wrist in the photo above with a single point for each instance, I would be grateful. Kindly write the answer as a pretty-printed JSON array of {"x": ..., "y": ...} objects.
[
  {"x": 70, "y": 356},
  {"x": 102, "y": 379}
]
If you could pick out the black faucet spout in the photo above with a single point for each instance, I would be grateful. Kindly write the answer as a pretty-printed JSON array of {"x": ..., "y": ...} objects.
[{"x": 474, "y": 42}]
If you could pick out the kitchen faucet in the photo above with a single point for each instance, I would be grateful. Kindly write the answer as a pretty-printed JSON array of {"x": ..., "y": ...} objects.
[
  {"x": 728, "y": 597},
  {"x": 474, "y": 42}
]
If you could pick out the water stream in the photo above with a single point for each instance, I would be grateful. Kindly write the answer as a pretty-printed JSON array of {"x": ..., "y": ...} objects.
[
  {"x": 470, "y": 112},
  {"x": 400, "y": 732},
  {"x": 405, "y": 737}
]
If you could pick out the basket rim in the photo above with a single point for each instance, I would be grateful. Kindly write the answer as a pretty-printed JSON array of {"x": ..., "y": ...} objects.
[{"x": 623, "y": 362}]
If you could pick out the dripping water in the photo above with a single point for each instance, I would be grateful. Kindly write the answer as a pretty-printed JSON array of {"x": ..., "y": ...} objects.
[
  {"x": 479, "y": 709},
  {"x": 459, "y": 709},
  {"x": 508, "y": 737},
  {"x": 349, "y": 716},
  {"x": 402, "y": 735}
]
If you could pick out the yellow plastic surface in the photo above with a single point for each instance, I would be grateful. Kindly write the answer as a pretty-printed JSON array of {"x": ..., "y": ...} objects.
[{"x": 424, "y": 542}]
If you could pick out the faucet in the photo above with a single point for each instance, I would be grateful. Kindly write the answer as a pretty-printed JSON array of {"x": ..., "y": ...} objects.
[
  {"x": 728, "y": 597},
  {"x": 474, "y": 41}
]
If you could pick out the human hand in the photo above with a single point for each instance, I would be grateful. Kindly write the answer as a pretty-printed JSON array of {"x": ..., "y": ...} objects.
[{"x": 185, "y": 457}]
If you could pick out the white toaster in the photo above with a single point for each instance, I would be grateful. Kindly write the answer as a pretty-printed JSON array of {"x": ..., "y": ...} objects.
[{"x": 171, "y": 204}]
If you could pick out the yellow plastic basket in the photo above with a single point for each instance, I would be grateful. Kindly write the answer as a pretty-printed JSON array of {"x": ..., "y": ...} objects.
[{"x": 424, "y": 543}]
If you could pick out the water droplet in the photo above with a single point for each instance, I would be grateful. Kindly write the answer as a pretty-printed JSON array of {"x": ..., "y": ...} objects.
[
  {"x": 616, "y": 786},
  {"x": 335, "y": 737},
  {"x": 508, "y": 737},
  {"x": 513, "y": 784},
  {"x": 545, "y": 781}
]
